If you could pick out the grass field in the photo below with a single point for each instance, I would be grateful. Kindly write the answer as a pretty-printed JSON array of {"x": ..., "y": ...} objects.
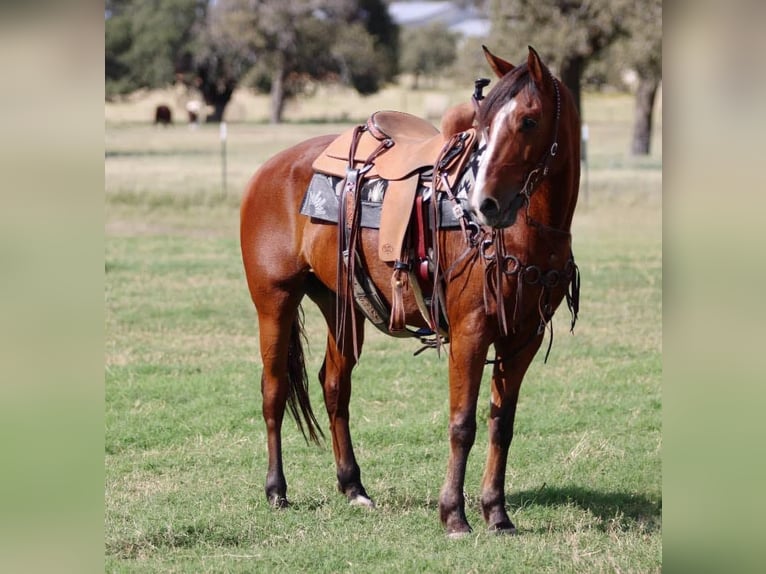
[{"x": 185, "y": 442}]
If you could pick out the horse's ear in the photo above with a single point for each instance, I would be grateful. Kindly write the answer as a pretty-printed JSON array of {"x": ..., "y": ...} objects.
[
  {"x": 498, "y": 65},
  {"x": 537, "y": 70}
]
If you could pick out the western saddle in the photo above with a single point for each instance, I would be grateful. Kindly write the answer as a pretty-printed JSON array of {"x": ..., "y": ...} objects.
[
  {"x": 415, "y": 143},
  {"x": 407, "y": 152}
]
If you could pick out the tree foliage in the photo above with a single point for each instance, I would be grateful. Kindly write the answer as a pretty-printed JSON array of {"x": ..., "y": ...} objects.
[
  {"x": 428, "y": 50},
  {"x": 287, "y": 45},
  {"x": 571, "y": 35},
  {"x": 566, "y": 33},
  {"x": 143, "y": 39},
  {"x": 641, "y": 51},
  {"x": 279, "y": 46}
]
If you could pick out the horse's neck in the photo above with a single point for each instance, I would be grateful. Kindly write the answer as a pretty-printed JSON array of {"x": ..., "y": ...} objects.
[
  {"x": 556, "y": 200},
  {"x": 552, "y": 205}
]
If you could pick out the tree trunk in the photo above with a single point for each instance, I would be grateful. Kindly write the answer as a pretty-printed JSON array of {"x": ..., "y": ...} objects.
[
  {"x": 217, "y": 94},
  {"x": 277, "y": 94},
  {"x": 571, "y": 74},
  {"x": 642, "y": 127},
  {"x": 218, "y": 108}
]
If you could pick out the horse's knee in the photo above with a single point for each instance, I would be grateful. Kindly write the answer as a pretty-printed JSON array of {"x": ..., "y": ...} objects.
[
  {"x": 273, "y": 407},
  {"x": 462, "y": 430},
  {"x": 336, "y": 389}
]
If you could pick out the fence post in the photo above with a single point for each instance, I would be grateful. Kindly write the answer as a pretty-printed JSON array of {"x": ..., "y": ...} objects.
[{"x": 223, "y": 135}]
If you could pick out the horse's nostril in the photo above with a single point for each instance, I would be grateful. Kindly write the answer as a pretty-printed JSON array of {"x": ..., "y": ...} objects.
[{"x": 489, "y": 207}]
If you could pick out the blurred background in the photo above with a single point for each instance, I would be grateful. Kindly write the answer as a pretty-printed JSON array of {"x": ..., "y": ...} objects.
[{"x": 303, "y": 60}]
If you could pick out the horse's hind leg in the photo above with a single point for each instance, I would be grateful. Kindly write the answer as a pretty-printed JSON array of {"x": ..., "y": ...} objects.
[
  {"x": 335, "y": 376},
  {"x": 277, "y": 333}
]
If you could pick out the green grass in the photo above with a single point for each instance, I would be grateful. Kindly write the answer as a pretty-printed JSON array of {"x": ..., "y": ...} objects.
[{"x": 185, "y": 452}]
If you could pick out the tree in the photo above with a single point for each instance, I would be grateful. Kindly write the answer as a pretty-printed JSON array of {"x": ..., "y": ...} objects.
[
  {"x": 567, "y": 33},
  {"x": 143, "y": 39},
  {"x": 427, "y": 50},
  {"x": 282, "y": 46},
  {"x": 642, "y": 51}
]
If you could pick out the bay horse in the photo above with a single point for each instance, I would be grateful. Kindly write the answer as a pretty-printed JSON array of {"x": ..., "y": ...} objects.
[{"x": 502, "y": 280}]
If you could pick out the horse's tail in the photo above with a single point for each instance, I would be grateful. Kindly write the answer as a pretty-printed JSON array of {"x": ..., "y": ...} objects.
[{"x": 298, "y": 393}]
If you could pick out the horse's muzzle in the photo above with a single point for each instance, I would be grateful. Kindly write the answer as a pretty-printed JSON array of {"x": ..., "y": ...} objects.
[{"x": 491, "y": 214}]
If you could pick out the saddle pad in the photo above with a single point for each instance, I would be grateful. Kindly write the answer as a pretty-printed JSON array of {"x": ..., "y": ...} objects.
[
  {"x": 321, "y": 203},
  {"x": 321, "y": 199}
]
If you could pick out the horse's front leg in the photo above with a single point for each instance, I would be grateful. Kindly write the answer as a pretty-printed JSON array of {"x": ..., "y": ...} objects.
[
  {"x": 468, "y": 351},
  {"x": 507, "y": 375}
]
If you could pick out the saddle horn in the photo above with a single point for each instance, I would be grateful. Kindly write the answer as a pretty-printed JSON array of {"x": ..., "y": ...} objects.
[{"x": 478, "y": 88}]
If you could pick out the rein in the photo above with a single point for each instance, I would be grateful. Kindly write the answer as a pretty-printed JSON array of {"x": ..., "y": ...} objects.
[{"x": 349, "y": 224}]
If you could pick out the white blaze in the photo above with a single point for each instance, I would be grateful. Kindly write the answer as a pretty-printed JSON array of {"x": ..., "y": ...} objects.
[{"x": 500, "y": 120}]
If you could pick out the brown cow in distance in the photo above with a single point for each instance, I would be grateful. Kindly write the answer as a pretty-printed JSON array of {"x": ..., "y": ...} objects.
[{"x": 163, "y": 115}]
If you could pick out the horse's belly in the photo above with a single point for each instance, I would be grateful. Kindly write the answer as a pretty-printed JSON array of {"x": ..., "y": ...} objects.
[{"x": 321, "y": 248}]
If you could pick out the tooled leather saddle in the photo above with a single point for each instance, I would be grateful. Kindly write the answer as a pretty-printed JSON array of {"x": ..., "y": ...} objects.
[
  {"x": 413, "y": 160},
  {"x": 396, "y": 147}
]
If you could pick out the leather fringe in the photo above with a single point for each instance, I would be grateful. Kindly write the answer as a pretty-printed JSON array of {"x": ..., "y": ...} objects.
[
  {"x": 399, "y": 282},
  {"x": 573, "y": 293}
]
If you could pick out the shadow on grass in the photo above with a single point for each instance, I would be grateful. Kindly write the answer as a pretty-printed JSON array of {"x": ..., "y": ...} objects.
[
  {"x": 609, "y": 506},
  {"x": 603, "y": 504}
]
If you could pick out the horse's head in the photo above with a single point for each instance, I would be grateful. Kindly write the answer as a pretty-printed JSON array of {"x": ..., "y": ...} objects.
[{"x": 519, "y": 124}]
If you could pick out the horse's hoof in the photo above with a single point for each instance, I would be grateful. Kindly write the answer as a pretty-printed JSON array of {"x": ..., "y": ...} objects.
[
  {"x": 457, "y": 535},
  {"x": 279, "y": 502},
  {"x": 361, "y": 500}
]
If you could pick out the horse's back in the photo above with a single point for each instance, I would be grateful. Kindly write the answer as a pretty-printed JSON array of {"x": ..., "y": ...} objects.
[{"x": 280, "y": 181}]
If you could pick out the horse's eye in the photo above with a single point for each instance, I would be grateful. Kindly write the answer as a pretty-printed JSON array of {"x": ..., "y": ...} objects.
[{"x": 528, "y": 123}]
